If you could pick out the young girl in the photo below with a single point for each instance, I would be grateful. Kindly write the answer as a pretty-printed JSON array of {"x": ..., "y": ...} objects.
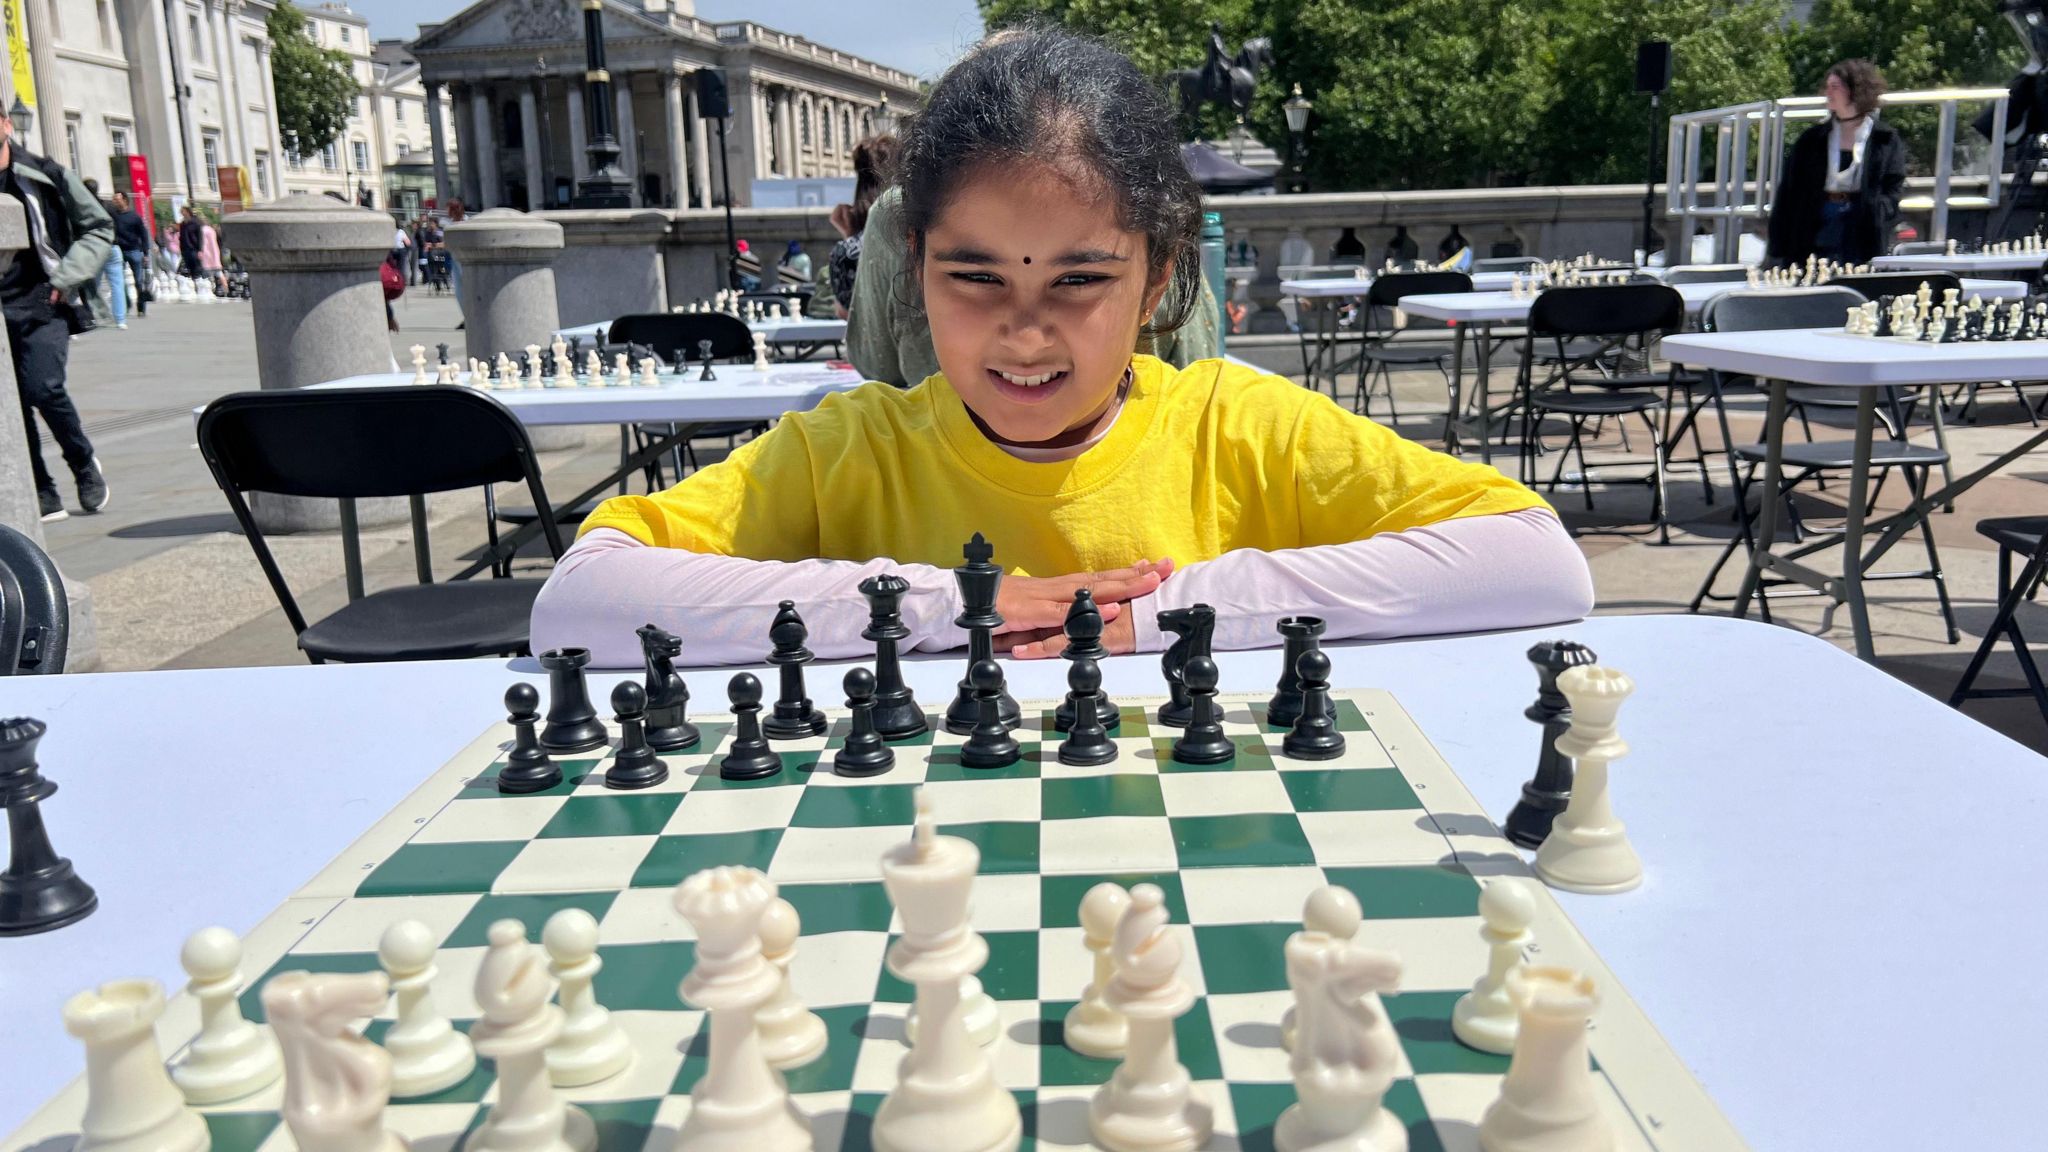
[{"x": 1048, "y": 210}]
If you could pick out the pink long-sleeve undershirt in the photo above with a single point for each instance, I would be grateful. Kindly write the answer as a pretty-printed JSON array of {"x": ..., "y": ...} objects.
[{"x": 1513, "y": 570}]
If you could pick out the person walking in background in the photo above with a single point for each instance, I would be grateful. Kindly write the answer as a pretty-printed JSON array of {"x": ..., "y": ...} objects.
[
  {"x": 1840, "y": 193},
  {"x": 69, "y": 237},
  {"x": 131, "y": 240},
  {"x": 113, "y": 274},
  {"x": 190, "y": 240},
  {"x": 209, "y": 258},
  {"x": 873, "y": 159},
  {"x": 455, "y": 214},
  {"x": 402, "y": 243}
]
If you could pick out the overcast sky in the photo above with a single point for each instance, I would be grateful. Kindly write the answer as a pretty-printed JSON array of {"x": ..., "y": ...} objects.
[{"x": 920, "y": 37}]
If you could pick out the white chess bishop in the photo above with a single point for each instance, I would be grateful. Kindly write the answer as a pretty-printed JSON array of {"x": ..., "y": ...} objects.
[
  {"x": 1330, "y": 917},
  {"x": 1346, "y": 1052},
  {"x": 130, "y": 1103},
  {"x": 1547, "y": 1101},
  {"x": 231, "y": 1057},
  {"x": 1588, "y": 848},
  {"x": 427, "y": 1053},
  {"x": 336, "y": 1083},
  {"x": 513, "y": 989},
  {"x": 1146, "y": 1106},
  {"x": 1486, "y": 1018}
]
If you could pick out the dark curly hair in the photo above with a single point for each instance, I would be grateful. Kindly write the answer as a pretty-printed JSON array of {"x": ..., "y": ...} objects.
[
  {"x": 1863, "y": 81},
  {"x": 1038, "y": 92}
]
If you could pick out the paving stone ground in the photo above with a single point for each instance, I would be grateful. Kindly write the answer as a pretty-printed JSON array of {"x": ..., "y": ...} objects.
[{"x": 175, "y": 586}]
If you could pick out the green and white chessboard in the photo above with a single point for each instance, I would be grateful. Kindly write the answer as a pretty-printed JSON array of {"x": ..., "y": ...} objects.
[{"x": 1237, "y": 847}]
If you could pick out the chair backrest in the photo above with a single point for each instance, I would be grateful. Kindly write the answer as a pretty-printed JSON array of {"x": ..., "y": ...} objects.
[
  {"x": 1920, "y": 248},
  {"x": 1506, "y": 264},
  {"x": 1707, "y": 274},
  {"x": 1387, "y": 290},
  {"x": 1879, "y": 284},
  {"x": 35, "y": 618},
  {"x": 1826, "y": 306},
  {"x": 1606, "y": 310},
  {"x": 671, "y": 332}
]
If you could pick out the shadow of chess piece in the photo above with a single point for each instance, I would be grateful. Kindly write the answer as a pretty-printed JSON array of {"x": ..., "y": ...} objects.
[
  {"x": 39, "y": 891},
  {"x": 527, "y": 767}
]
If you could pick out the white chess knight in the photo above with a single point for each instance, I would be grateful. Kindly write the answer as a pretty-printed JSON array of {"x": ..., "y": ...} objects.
[
  {"x": 1346, "y": 1053},
  {"x": 1146, "y": 1105},
  {"x": 427, "y": 1053},
  {"x": 1331, "y": 917},
  {"x": 1547, "y": 1100},
  {"x": 592, "y": 1047},
  {"x": 513, "y": 989},
  {"x": 130, "y": 1103},
  {"x": 648, "y": 373},
  {"x": 336, "y": 1083},
  {"x": 741, "y": 1104},
  {"x": 621, "y": 373},
  {"x": 231, "y": 1057},
  {"x": 791, "y": 1034},
  {"x": 946, "y": 1097},
  {"x": 1588, "y": 849},
  {"x": 1092, "y": 1027},
  {"x": 1485, "y": 1018}
]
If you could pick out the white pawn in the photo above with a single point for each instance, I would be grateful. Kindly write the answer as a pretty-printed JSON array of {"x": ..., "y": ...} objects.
[
  {"x": 130, "y": 1103},
  {"x": 419, "y": 363},
  {"x": 513, "y": 988},
  {"x": 533, "y": 366},
  {"x": 789, "y": 309},
  {"x": 760, "y": 351},
  {"x": 444, "y": 374},
  {"x": 1588, "y": 849},
  {"x": 340, "y": 1083},
  {"x": 592, "y": 1046},
  {"x": 506, "y": 377},
  {"x": 1331, "y": 917},
  {"x": 427, "y": 1053},
  {"x": 1547, "y": 1100},
  {"x": 231, "y": 1057},
  {"x": 1146, "y": 1105},
  {"x": 791, "y": 1034},
  {"x": 621, "y": 374},
  {"x": 1092, "y": 1027},
  {"x": 1485, "y": 1018},
  {"x": 593, "y": 367}
]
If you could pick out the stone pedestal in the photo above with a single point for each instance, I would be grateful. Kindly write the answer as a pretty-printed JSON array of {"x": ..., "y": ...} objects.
[
  {"x": 319, "y": 312},
  {"x": 508, "y": 293},
  {"x": 611, "y": 265},
  {"x": 18, "y": 507}
]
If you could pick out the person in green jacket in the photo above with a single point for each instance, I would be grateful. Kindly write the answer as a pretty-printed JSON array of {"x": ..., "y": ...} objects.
[
  {"x": 888, "y": 339},
  {"x": 46, "y": 293}
]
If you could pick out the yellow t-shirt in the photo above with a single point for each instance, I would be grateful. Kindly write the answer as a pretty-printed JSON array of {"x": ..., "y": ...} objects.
[{"x": 1201, "y": 461}]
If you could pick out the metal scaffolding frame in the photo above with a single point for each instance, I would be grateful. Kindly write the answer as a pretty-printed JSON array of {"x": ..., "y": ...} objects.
[{"x": 1749, "y": 152}]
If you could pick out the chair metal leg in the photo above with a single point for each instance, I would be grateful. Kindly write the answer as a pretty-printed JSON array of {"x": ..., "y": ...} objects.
[
  {"x": 2004, "y": 624},
  {"x": 1916, "y": 478},
  {"x": 1660, "y": 512}
]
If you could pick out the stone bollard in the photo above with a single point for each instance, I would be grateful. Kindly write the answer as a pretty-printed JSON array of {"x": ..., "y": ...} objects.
[
  {"x": 319, "y": 311},
  {"x": 18, "y": 507},
  {"x": 612, "y": 264},
  {"x": 508, "y": 293}
]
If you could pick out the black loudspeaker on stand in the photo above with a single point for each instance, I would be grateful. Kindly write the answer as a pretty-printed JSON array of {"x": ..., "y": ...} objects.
[
  {"x": 711, "y": 101},
  {"x": 712, "y": 104},
  {"x": 1653, "y": 79}
]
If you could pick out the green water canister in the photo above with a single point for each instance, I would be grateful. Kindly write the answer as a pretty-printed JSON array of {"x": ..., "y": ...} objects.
[{"x": 1212, "y": 269}]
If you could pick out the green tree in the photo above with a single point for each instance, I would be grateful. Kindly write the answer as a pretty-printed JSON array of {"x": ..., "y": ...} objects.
[
  {"x": 1917, "y": 43},
  {"x": 316, "y": 90}
]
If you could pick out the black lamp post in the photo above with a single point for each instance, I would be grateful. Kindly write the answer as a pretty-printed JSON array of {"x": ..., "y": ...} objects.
[
  {"x": 606, "y": 186},
  {"x": 1296, "y": 108},
  {"x": 885, "y": 120},
  {"x": 23, "y": 117}
]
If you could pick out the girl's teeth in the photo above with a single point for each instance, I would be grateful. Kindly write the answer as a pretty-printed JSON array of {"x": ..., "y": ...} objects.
[{"x": 1027, "y": 381}]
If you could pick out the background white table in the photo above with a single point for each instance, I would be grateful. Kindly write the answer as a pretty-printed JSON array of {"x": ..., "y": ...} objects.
[
  {"x": 808, "y": 330},
  {"x": 1360, "y": 285},
  {"x": 1963, "y": 263},
  {"x": 740, "y": 392},
  {"x": 1840, "y": 917}
]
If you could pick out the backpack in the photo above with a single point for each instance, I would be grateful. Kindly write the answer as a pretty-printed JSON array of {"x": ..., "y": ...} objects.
[{"x": 393, "y": 279}]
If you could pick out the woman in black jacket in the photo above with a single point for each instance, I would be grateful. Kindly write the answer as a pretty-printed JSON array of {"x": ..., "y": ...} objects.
[{"x": 1839, "y": 195}]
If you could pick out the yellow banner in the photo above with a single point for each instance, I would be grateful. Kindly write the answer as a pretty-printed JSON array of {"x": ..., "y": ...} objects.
[{"x": 17, "y": 52}]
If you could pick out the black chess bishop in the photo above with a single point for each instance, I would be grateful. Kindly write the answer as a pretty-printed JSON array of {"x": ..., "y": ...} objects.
[{"x": 794, "y": 716}]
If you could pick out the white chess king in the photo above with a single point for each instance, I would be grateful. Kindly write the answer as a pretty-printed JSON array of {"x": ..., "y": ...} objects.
[{"x": 1588, "y": 849}]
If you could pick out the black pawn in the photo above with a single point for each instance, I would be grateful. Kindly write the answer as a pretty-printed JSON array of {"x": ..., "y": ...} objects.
[
  {"x": 1088, "y": 743},
  {"x": 897, "y": 715},
  {"x": 1303, "y": 634},
  {"x": 634, "y": 765},
  {"x": 704, "y": 354},
  {"x": 572, "y": 724},
  {"x": 1204, "y": 741},
  {"x": 1083, "y": 628},
  {"x": 1547, "y": 793},
  {"x": 39, "y": 891},
  {"x": 864, "y": 753},
  {"x": 668, "y": 697},
  {"x": 527, "y": 767},
  {"x": 1192, "y": 627},
  {"x": 979, "y": 579},
  {"x": 1314, "y": 735},
  {"x": 794, "y": 716},
  {"x": 990, "y": 745},
  {"x": 750, "y": 757}
]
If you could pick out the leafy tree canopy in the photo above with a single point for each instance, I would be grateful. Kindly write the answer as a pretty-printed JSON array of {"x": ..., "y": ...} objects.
[{"x": 316, "y": 90}]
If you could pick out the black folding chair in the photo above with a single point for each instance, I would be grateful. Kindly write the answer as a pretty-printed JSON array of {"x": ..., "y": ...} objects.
[
  {"x": 1707, "y": 274},
  {"x": 678, "y": 336},
  {"x": 2015, "y": 536},
  {"x": 348, "y": 444},
  {"x": 1382, "y": 352},
  {"x": 35, "y": 618},
  {"x": 1507, "y": 264}
]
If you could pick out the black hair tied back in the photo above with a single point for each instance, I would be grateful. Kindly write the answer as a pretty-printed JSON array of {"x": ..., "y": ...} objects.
[{"x": 1041, "y": 93}]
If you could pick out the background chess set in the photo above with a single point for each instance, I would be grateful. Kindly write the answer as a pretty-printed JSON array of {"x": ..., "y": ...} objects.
[{"x": 1233, "y": 845}]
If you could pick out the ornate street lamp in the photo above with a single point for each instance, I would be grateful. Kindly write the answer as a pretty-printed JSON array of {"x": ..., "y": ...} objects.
[
  {"x": 23, "y": 116},
  {"x": 606, "y": 186},
  {"x": 1296, "y": 108},
  {"x": 885, "y": 120}
]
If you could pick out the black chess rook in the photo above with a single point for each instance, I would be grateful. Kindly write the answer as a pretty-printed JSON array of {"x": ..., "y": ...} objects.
[
  {"x": 527, "y": 767},
  {"x": 572, "y": 724},
  {"x": 39, "y": 891}
]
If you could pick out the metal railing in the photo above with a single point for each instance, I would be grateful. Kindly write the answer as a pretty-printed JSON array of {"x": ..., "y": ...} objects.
[{"x": 1749, "y": 155}]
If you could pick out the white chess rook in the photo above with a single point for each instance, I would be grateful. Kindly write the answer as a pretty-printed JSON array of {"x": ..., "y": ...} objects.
[
  {"x": 1146, "y": 1105},
  {"x": 513, "y": 989},
  {"x": 592, "y": 1047},
  {"x": 946, "y": 1097},
  {"x": 1547, "y": 1100},
  {"x": 130, "y": 1103},
  {"x": 231, "y": 1057},
  {"x": 427, "y": 1053},
  {"x": 1588, "y": 848},
  {"x": 336, "y": 1083},
  {"x": 1331, "y": 915},
  {"x": 1485, "y": 1018},
  {"x": 741, "y": 1104},
  {"x": 1346, "y": 1054},
  {"x": 1092, "y": 1027},
  {"x": 791, "y": 1034}
]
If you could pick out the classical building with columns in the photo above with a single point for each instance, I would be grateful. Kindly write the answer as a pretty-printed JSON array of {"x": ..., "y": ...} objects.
[{"x": 513, "y": 71}]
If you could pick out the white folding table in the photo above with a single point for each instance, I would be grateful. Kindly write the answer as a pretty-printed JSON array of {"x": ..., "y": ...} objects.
[
  {"x": 808, "y": 331},
  {"x": 1964, "y": 263},
  {"x": 1865, "y": 366}
]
